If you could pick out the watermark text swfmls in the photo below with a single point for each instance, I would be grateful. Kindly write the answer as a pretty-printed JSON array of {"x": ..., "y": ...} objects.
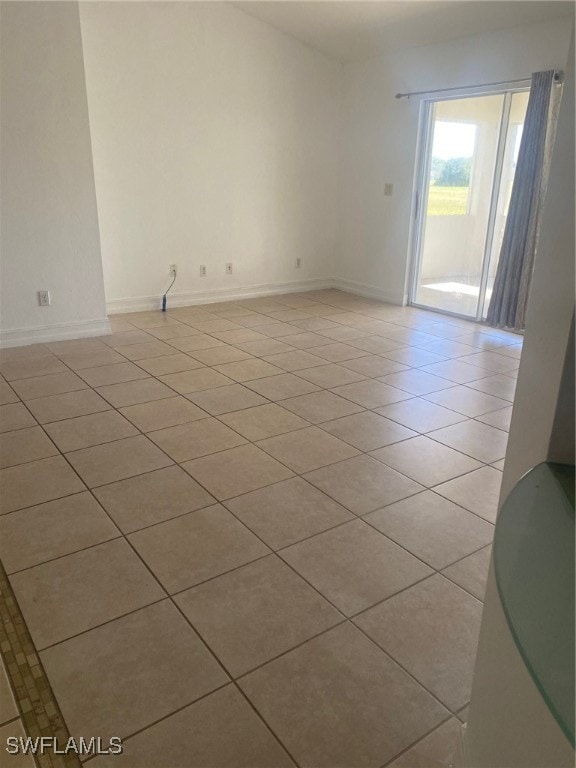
[{"x": 40, "y": 745}]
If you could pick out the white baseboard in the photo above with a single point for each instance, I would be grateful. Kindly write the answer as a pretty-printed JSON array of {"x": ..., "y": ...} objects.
[
  {"x": 145, "y": 303},
  {"x": 369, "y": 291},
  {"x": 23, "y": 336},
  {"x": 20, "y": 337}
]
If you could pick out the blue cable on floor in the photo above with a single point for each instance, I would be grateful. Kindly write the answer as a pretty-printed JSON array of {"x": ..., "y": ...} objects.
[{"x": 164, "y": 301}]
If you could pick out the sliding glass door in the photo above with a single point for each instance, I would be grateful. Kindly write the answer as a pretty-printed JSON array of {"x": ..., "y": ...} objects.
[{"x": 467, "y": 167}]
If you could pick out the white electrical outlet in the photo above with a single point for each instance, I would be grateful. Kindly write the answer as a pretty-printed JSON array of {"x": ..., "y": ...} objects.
[
  {"x": 172, "y": 270},
  {"x": 229, "y": 268},
  {"x": 44, "y": 298},
  {"x": 202, "y": 270},
  {"x": 298, "y": 262}
]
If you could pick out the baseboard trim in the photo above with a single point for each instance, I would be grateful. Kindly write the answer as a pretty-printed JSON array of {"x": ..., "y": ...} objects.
[
  {"x": 40, "y": 334},
  {"x": 23, "y": 336},
  {"x": 145, "y": 303},
  {"x": 20, "y": 337},
  {"x": 369, "y": 291}
]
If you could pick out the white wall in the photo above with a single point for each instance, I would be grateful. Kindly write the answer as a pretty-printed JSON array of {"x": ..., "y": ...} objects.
[
  {"x": 547, "y": 339},
  {"x": 380, "y": 137},
  {"x": 49, "y": 233},
  {"x": 215, "y": 140},
  {"x": 509, "y": 724}
]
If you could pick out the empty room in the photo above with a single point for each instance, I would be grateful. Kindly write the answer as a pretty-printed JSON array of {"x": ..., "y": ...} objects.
[{"x": 287, "y": 384}]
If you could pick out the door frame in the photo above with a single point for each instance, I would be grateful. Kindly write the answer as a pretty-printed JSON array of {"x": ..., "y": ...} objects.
[{"x": 421, "y": 186}]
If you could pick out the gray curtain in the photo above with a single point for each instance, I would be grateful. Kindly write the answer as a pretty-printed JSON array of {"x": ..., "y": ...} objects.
[{"x": 514, "y": 273}]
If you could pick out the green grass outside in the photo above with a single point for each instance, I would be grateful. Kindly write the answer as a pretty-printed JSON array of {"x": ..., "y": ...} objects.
[{"x": 447, "y": 201}]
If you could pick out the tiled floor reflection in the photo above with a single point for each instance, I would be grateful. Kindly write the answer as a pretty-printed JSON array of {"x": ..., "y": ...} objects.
[{"x": 237, "y": 532}]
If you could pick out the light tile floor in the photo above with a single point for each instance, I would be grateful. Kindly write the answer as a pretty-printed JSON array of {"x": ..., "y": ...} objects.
[{"x": 257, "y": 533}]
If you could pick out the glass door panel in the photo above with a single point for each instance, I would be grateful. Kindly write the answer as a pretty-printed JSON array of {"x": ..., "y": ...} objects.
[{"x": 456, "y": 202}]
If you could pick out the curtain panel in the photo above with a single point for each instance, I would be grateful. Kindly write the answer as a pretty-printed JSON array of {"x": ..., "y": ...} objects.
[{"x": 519, "y": 244}]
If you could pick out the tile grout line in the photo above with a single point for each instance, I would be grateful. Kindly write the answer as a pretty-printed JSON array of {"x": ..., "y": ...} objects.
[
  {"x": 170, "y": 597},
  {"x": 223, "y": 502},
  {"x": 247, "y": 443},
  {"x": 346, "y": 619},
  {"x": 406, "y": 671},
  {"x": 232, "y": 679},
  {"x": 261, "y": 717},
  {"x": 122, "y": 534},
  {"x": 170, "y": 714},
  {"x": 167, "y": 596},
  {"x": 418, "y": 741},
  {"x": 252, "y": 443},
  {"x": 38, "y": 707},
  {"x": 177, "y": 607}
]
